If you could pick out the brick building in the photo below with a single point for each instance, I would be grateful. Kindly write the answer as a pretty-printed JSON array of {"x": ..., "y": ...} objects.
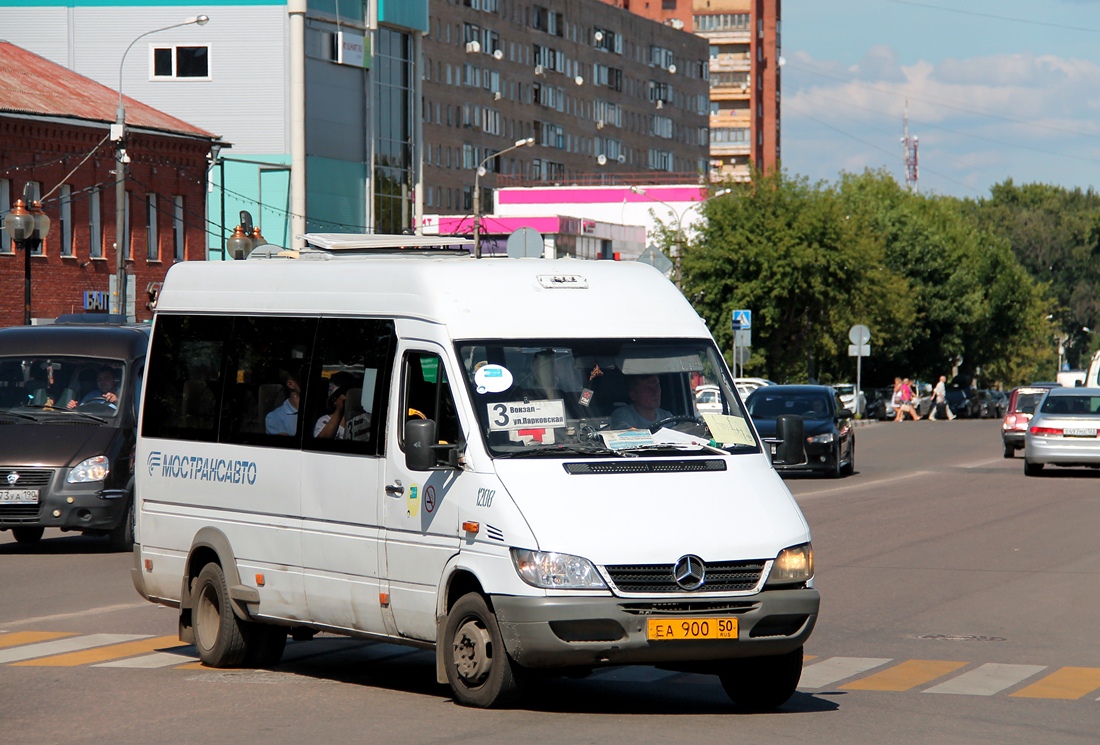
[
  {"x": 675, "y": 13},
  {"x": 55, "y": 137},
  {"x": 608, "y": 96},
  {"x": 744, "y": 84}
]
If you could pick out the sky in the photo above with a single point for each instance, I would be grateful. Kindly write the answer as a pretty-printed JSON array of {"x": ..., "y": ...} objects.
[{"x": 996, "y": 89}]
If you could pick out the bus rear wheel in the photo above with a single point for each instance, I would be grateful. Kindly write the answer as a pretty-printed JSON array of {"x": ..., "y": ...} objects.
[{"x": 219, "y": 635}]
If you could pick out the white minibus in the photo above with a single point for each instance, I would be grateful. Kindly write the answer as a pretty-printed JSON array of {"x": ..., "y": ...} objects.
[{"x": 498, "y": 459}]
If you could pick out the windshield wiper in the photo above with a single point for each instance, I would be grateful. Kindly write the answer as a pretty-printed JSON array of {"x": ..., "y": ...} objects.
[
  {"x": 19, "y": 415},
  {"x": 63, "y": 410},
  {"x": 680, "y": 446},
  {"x": 562, "y": 449}
]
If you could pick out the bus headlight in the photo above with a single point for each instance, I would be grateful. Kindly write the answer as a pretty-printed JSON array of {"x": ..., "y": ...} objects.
[
  {"x": 794, "y": 565},
  {"x": 553, "y": 571}
]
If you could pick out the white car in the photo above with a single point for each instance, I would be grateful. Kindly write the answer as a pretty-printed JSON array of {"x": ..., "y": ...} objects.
[
  {"x": 847, "y": 393},
  {"x": 708, "y": 399},
  {"x": 745, "y": 386},
  {"x": 1064, "y": 430}
]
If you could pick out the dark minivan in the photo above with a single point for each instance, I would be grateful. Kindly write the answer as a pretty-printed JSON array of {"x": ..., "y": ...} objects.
[{"x": 68, "y": 394}]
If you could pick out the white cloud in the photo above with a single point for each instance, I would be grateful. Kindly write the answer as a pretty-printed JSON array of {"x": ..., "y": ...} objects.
[{"x": 979, "y": 119}]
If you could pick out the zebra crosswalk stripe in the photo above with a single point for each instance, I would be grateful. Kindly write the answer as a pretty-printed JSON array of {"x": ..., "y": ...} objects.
[
  {"x": 103, "y": 653},
  {"x": 153, "y": 661},
  {"x": 829, "y": 671},
  {"x": 62, "y": 646},
  {"x": 987, "y": 680}
]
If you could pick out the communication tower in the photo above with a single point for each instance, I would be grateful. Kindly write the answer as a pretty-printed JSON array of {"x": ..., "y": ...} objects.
[{"x": 910, "y": 142}]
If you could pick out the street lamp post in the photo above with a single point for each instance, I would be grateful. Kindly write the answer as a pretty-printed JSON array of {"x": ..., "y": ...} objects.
[
  {"x": 118, "y": 135},
  {"x": 477, "y": 189},
  {"x": 677, "y": 247},
  {"x": 28, "y": 227}
]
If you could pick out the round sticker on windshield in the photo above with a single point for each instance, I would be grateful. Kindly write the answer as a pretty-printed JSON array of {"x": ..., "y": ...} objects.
[{"x": 492, "y": 379}]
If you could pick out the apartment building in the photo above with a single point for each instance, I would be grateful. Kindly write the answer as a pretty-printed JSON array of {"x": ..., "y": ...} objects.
[
  {"x": 607, "y": 96},
  {"x": 675, "y": 13},
  {"x": 744, "y": 37}
]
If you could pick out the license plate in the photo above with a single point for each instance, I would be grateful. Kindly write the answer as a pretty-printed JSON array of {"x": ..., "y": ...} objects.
[
  {"x": 1079, "y": 432},
  {"x": 18, "y": 496},
  {"x": 660, "y": 629}
]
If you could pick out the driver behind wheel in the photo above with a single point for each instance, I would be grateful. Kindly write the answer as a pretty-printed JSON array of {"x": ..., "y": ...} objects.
[
  {"x": 644, "y": 409},
  {"x": 106, "y": 389}
]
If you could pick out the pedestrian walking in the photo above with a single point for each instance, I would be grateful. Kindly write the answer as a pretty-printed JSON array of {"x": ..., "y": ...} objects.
[
  {"x": 939, "y": 401},
  {"x": 906, "y": 403}
]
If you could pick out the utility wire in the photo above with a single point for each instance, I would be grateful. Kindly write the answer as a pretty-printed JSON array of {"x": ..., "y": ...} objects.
[
  {"x": 892, "y": 153},
  {"x": 1028, "y": 21},
  {"x": 78, "y": 165},
  {"x": 939, "y": 102}
]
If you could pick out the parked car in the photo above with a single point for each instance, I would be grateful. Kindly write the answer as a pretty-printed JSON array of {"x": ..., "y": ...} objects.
[
  {"x": 708, "y": 399},
  {"x": 880, "y": 404},
  {"x": 1021, "y": 405},
  {"x": 1002, "y": 402},
  {"x": 1064, "y": 430},
  {"x": 745, "y": 386},
  {"x": 830, "y": 434},
  {"x": 962, "y": 402},
  {"x": 987, "y": 405},
  {"x": 848, "y": 396},
  {"x": 67, "y": 403}
]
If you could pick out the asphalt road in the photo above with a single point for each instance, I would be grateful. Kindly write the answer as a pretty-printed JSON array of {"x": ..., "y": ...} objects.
[{"x": 960, "y": 604}]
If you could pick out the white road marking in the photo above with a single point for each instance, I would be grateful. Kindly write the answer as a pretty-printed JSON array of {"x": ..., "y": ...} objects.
[
  {"x": 61, "y": 646},
  {"x": 79, "y": 614},
  {"x": 987, "y": 680},
  {"x": 826, "y": 672},
  {"x": 151, "y": 661}
]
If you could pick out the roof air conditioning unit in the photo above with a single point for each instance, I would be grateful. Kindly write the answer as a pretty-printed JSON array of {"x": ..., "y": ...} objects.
[{"x": 473, "y": 47}]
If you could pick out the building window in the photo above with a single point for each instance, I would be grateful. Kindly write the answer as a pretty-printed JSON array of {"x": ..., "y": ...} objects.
[
  {"x": 660, "y": 126},
  {"x": 176, "y": 62},
  {"x": 95, "y": 227},
  {"x": 5, "y": 200},
  {"x": 179, "y": 237},
  {"x": 394, "y": 173},
  {"x": 152, "y": 246},
  {"x": 126, "y": 227},
  {"x": 66, "y": 220}
]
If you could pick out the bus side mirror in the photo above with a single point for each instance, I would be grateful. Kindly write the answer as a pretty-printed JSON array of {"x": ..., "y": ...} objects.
[
  {"x": 419, "y": 438},
  {"x": 790, "y": 432}
]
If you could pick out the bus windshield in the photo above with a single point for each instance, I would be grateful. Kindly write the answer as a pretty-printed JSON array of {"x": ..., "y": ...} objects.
[{"x": 603, "y": 396}]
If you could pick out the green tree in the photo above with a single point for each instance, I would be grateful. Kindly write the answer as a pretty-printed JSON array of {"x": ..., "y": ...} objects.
[
  {"x": 789, "y": 251},
  {"x": 1055, "y": 234}
]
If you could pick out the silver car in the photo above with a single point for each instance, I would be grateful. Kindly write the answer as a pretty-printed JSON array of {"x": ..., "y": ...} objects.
[{"x": 1063, "y": 430}]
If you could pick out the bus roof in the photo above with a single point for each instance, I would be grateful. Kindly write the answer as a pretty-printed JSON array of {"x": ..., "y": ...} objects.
[{"x": 476, "y": 299}]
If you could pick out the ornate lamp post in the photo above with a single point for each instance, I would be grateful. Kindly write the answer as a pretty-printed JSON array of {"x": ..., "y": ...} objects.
[
  {"x": 477, "y": 189},
  {"x": 118, "y": 135},
  {"x": 28, "y": 227}
]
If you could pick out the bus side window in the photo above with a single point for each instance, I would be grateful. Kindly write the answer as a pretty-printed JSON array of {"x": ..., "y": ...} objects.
[{"x": 428, "y": 395}]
